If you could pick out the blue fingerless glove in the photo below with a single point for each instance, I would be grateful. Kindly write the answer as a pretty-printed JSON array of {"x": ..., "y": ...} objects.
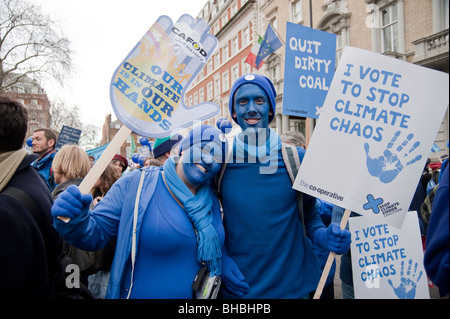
[
  {"x": 71, "y": 203},
  {"x": 333, "y": 239},
  {"x": 232, "y": 278}
]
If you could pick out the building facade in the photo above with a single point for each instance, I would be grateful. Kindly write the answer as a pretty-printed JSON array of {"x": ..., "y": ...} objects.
[
  {"x": 33, "y": 97},
  {"x": 110, "y": 129},
  {"x": 415, "y": 31}
]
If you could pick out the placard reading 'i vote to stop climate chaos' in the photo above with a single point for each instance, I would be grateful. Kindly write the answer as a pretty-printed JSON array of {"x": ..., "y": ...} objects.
[{"x": 374, "y": 135}]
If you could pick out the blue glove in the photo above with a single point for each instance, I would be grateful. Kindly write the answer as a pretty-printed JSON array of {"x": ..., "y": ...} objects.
[
  {"x": 232, "y": 278},
  {"x": 333, "y": 239},
  {"x": 71, "y": 203}
]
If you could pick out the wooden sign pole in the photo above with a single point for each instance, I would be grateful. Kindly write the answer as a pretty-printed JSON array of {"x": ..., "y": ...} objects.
[
  {"x": 101, "y": 164},
  {"x": 330, "y": 260}
]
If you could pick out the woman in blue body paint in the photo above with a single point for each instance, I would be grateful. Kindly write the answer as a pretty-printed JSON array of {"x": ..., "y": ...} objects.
[{"x": 165, "y": 254}]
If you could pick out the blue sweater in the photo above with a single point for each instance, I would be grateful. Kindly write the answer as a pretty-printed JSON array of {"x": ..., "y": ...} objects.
[
  {"x": 436, "y": 260},
  {"x": 264, "y": 234}
]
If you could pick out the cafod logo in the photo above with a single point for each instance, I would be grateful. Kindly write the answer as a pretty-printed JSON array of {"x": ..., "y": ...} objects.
[{"x": 188, "y": 42}]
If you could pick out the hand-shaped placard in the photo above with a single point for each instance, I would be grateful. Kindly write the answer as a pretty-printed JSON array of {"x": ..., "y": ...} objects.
[{"x": 148, "y": 88}]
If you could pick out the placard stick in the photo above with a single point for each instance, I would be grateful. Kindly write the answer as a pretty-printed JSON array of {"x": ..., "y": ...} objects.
[
  {"x": 101, "y": 164},
  {"x": 330, "y": 260}
]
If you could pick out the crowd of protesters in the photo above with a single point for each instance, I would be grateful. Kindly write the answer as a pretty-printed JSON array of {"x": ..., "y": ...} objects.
[{"x": 147, "y": 229}]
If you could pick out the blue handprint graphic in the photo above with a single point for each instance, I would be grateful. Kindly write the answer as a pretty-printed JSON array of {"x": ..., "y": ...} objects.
[
  {"x": 408, "y": 284},
  {"x": 387, "y": 166}
]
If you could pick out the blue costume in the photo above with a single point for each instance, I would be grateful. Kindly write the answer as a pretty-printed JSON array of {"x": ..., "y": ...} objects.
[
  {"x": 158, "y": 252},
  {"x": 436, "y": 259},
  {"x": 264, "y": 234},
  {"x": 156, "y": 232}
]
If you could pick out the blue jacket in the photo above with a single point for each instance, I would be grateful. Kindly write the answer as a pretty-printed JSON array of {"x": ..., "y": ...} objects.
[
  {"x": 113, "y": 216},
  {"x": 44, "y": 168},
  {"x": 436, "y": 259}
]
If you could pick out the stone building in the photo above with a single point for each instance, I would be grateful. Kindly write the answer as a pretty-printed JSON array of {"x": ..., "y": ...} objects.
[
  {"x": 35, "y": 99},
  {"x": 110, "y": 129}
]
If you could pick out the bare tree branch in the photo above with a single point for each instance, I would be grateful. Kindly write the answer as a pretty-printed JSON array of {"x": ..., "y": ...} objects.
[{"x": 31, "y": 43}]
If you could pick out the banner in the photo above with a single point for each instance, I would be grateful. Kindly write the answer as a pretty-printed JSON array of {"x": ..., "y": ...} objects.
[
  {"x": 374, "y": 135},
  {"x": 68, "y": 135},
  {"x": 387, "y": 263},
  {"x": 148, "y": 88},
  {"x": 308, "y": 71}
]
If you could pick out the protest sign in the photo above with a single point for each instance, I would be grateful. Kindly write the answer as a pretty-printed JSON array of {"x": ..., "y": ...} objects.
[
  {"x": 148, "y": 88},
  {"x": 68, "y": 135},
  {"x": 308, "y": 70},
  {"x": 374, "y": 134},
  {"x": 387, "y": 263}
]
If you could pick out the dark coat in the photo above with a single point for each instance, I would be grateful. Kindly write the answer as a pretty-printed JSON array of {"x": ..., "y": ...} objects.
[{"x": 28, "y": 250}]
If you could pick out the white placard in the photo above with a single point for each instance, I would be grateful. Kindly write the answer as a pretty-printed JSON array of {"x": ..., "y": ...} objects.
[
  {"x": 374, "y": 134},
  {"x": 387, "y": 262}
]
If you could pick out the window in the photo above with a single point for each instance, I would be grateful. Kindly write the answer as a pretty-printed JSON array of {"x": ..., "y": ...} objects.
[
  {"x": 273, "y": 22},
  {"x": 234, "y": 73},
  {"x": 246, "y": 68},
  {"x": 339, "y": 47},
  {"x": 217, "y": 88},
  {"x": 225, "y": 81},
  {"x": 226, "y": 111},
  {"x": 195, "y": 98},
  {"x": 234, "y": 9},
  {"x": 225, "y": 19},
  {"x": 245, "y": 36},
  {"x": 225, "y": 53},
  {"x": 209, "y": 92},
  {"x": 389, "y": 29},
  {"x": 274, "y": 72},
  {"x": 234, "y": 46},
  {"x": 201, "y": 95},
  {"x": 216, "y": 61},
  {"x": 296, "y": 11}
]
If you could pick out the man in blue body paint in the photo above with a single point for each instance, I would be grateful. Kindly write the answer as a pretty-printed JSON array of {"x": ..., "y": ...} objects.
[{"x": 264, "y": 234}]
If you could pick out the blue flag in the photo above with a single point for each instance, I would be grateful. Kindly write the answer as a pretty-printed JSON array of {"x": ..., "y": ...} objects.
[{"x": 270, "y": 44}]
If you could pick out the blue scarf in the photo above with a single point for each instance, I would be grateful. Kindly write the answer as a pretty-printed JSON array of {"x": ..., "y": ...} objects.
[
  {"x": 262, "y": 147},
  {"x": 198, "y": 208}
]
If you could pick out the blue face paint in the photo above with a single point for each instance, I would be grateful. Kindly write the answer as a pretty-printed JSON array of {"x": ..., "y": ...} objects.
[
  {"x": 201, "y": 162},
  {"x": 251, "y": 107}
]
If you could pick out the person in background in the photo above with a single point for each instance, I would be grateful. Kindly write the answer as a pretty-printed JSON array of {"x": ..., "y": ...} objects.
[
  {"x": 44, "y": 141},
  {"x": 120, "y": 163},
  {"x": 165, "y": 147},
  {"x": 29, "y": 245},
  {"x": 436, "y": 259},
  {"x": 296, "y": 139},
  {"x": 98, "y": 281},
  {"x": 152, "y": 162},
  {"x": 91, "y": 160},
  {"x": 70, "y": 166}
]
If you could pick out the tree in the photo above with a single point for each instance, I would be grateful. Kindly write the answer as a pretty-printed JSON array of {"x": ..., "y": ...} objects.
[
  {"x": 31, "y": 44},
  {"x": 62, "y": 114}
]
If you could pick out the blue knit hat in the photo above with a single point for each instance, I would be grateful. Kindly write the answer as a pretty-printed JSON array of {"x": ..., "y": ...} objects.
[
  {"x": 262, "y": 82},
  {"x": 205, "y": 133}
]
